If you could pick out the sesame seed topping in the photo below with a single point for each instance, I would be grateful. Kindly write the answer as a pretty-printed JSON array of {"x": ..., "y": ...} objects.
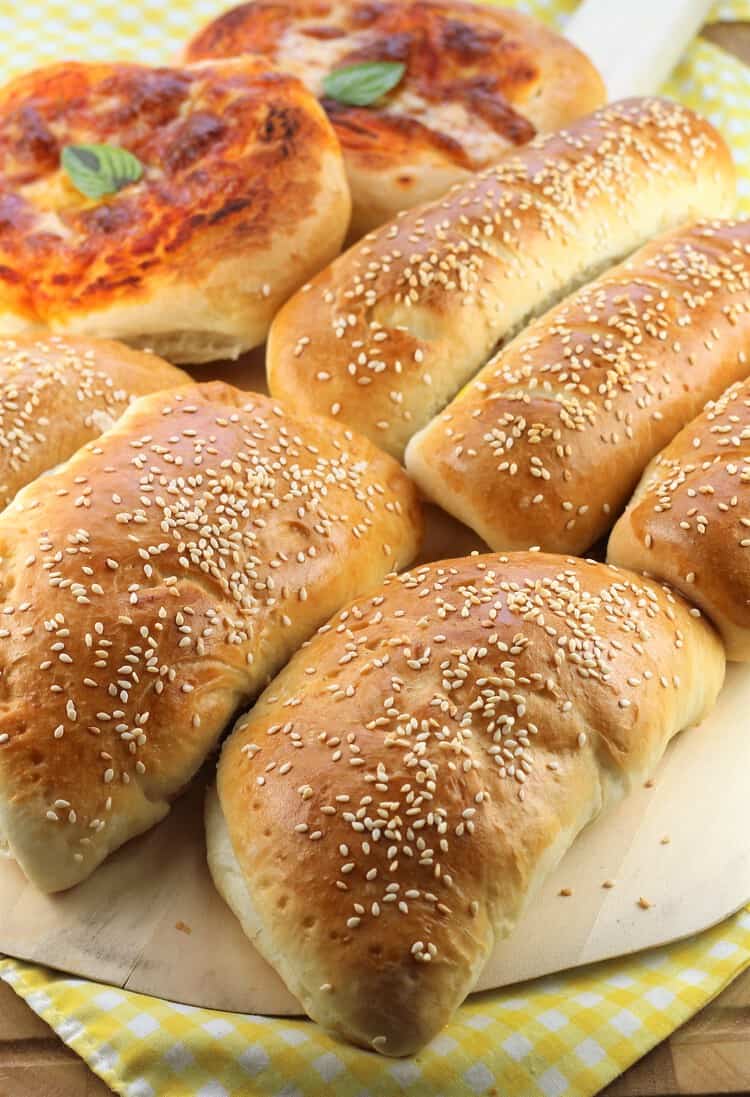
[
  {"x": 206, "y": 510},
  {"x": 598, "y": 366},
  {"x": 699, "y": 488},
  {"x": 367, "y": 326},
  {"x": 448, "y": 735}
]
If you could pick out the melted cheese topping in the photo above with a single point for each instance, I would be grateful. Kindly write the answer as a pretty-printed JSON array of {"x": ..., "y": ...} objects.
[{"x": 312, "y": 59}]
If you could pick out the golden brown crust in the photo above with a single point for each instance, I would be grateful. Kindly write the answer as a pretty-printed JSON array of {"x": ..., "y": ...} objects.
[
  {"x": 479, "y": 80},
  {"x": 152, "y": 585},
  {"x": 240, "y": 167},
  {"x": 408, "y": 779},
  {"x": 689, "y": 520},
  {"x": 546, "y": 445},
  {"x": 386, "y": 335},
  {"x": 56, "y": 394}
]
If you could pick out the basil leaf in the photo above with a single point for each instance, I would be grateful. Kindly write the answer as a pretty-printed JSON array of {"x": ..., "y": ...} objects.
[
  {"x": 96, "y": 170},
  {"x": 360, "y": 85}
]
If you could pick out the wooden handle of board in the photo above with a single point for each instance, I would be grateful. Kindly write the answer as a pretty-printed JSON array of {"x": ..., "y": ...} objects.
[{"x": 635, "y": 44}]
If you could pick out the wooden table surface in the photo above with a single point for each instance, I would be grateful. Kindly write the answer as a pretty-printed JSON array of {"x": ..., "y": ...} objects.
[{"x": 708, "y": 1055}]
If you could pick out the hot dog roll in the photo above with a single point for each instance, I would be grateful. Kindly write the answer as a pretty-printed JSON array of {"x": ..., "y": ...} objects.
[
  {"x": 386, "y": 335},
  {"x": 477, "y": 81},
  {"x": 152, "y": 585},
  {"x": 56, "y": 394},
  {"x": 689, "y": 520},
  {"x": 393, "y": 799},
  {"x": 547, "y": 443},
  {"x": 241, "y": 195}
]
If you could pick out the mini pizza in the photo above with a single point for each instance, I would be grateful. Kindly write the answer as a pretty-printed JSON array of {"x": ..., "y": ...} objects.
[
  {"x": 472, "y": 82},
  {"x": 173, "y": 208}
]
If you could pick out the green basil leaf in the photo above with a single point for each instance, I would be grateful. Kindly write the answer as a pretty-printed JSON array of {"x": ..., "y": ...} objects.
[
  {"x": 360, "y": 85},
  {"x": 96, "y": 170}
]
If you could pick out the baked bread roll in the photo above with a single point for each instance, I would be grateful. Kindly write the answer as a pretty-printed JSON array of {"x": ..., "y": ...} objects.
[
  {"x": 152, "y": 585},
  {"x": 545, "y": 446},
  {"x": 478, "y": 81},
  {"x": 385, "y": 336},
  {"x": 243, "y": 195},
  {"x": 395, "y": 796},
  {"x": 56, "y": 394},
  {"x": 689, "y": 520}
]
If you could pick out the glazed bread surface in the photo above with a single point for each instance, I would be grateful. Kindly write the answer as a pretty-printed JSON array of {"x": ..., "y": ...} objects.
[
  {"x": 479, "y": 80},
  {"x": 546, "y": 445},
  {"x": 151, "y": 586},
  {"x": 58, "y": 393},
  {"x": 386, "y": 335},
  {"x": 243, "y": 196},
  {"x": 689, "y": 519},
  {"x": 398, "y": 792}
]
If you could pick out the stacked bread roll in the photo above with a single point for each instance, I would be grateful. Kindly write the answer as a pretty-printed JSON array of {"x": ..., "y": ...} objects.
[
  {"x": 58, "y": 393},
  {"x": 387, "y": 334},
  {"x": 689, "y": 519},
  {"x": 545, "y": 446},
  {"x": 153, "y": 583},
  {"x": 418, "y": 765},
  {"x": 425, "y": 761},
  {"x": 484, "y": 710}
]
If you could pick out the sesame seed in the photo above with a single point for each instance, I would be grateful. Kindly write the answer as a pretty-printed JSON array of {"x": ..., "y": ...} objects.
[
  {"x": 444, "y": 732},
  {"x": 599, "y": 380},
  {"x": 187, "y": 548}
]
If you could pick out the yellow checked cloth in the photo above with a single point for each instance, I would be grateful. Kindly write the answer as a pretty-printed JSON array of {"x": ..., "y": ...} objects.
[{"x": 566, "y": 1036}]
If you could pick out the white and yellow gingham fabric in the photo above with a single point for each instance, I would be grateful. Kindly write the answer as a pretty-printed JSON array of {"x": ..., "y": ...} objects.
[
  {"x": 562, "y": 1037},
  {"x": 566, "y": 1036}
]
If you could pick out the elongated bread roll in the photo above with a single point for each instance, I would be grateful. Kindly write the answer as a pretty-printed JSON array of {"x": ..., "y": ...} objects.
[
  {"x": 56, "y": 394},
  {"x": 151, "y": 586},
  {"x": 546, "y": 445},
  {"x": 392, "y": 800},
  {"x": 689, "y": 520},
  {"x": 478, "y": 80},
  {"x": 386, "y": 335}
]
